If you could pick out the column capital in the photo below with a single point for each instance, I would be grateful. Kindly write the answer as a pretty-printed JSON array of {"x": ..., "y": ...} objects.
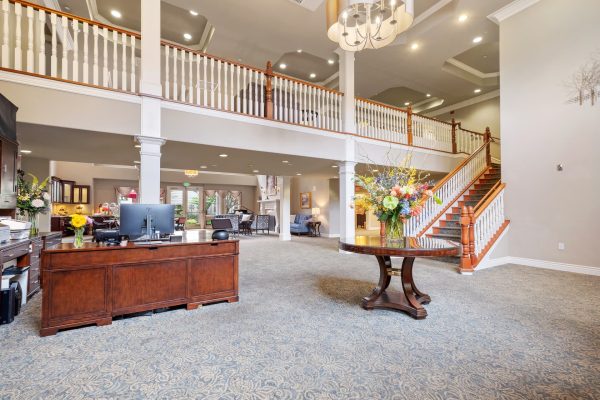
[
  {"x": 151, "y": 140},
  {"x": 347, "y": 167}
]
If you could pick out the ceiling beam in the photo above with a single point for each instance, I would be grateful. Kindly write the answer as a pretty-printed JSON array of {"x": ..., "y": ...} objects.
[{"x": 510, "y": 9}]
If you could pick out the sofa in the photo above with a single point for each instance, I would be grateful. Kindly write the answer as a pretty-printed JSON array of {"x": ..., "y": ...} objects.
[{"x": 300, "y": 224}]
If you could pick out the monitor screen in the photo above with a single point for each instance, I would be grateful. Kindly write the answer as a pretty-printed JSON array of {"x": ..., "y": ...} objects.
[{"x": 134, "y": 216}]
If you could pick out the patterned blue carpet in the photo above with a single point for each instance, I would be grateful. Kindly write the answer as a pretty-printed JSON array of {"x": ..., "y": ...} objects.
[{"x": 298, "y": 332}]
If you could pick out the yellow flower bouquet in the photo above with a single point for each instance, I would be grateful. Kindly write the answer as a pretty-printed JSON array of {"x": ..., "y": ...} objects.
[{"x": 78, "y": 222}]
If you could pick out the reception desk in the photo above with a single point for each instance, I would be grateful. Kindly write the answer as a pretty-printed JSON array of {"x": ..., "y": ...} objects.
[{"x": 91, "y": 285}]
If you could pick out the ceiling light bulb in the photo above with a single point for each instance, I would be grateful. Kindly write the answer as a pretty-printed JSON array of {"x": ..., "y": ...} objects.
[
  {"x": 203, "y": 166},
  {"x": 428, "y": 95},
  {"x": 187, "y": 36},
  {"x": 285, "y": 161},
  {"x": 377, "y": 20},
  {"x": 407, "y": 103},
  {"x": 116, "y": 14},
  {"x": 414, "y": 46},
  {"x": 477, "y": 91},
  {"x": 138, "y": 146},
  {"x": 313, "y": 75},
  {"x": 194, "y": 13},
  {"x": 375, "y": 170},
  {"x": 255, "y": 171},
  {"x": 26, "y": 151},
  {"x": 477, "y": 39},
  {"x": 223, "y": 155},
  {"x": 330, "y": 61},
  {"x": 392, "y": 3},
  {"x": 299, "y": 51},
  {"x": 334, "y": 166},
  {"x": 283, "y": 66},
  {"x": 345, "y": 15},
  {"x": 462, "y": 18},
  {"x": 299, "y": 174}
]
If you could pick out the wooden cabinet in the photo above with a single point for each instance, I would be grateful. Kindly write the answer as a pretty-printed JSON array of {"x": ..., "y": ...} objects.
[
  {"x": 67, "y": 191},
  {"x": 81, "y": 194},
  {"x": 92, "y": 284},
  {"x": 56, "y": 192}
]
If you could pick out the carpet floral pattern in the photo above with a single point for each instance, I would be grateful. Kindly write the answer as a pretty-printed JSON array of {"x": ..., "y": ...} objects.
[{"x": 298, "y": 332}]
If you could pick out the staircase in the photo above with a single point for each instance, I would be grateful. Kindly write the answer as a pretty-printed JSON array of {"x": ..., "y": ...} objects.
[{"x": 448, "y": 226}]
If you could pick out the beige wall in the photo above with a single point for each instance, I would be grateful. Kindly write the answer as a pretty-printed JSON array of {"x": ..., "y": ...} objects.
[
  {"x": 478, "y": 116},
  {"x": 539, "y": 50},
  {"x": 325, "y": 196}
]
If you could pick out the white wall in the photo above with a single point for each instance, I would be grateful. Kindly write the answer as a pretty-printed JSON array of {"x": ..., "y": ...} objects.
[
  {"x": 540, "y": 48},
  {"x": 325, "y": 196},
  {"x": 477, "y": 117}
]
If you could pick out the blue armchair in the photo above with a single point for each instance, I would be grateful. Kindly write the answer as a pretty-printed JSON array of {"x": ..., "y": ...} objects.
[{"x": 300, "y": 224}]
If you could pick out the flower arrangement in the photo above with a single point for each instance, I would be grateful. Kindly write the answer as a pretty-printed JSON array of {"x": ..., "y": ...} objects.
[
  {"x": 395, "y": 195},
  {"x": 78, "y": 223},
  {"x": 32, "y": 198}
]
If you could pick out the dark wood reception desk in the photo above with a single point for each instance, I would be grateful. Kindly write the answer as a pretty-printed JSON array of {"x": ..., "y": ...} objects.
[{"x": 90, "y": 285}]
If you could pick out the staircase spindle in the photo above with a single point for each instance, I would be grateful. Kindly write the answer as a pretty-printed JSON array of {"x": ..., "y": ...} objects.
[
  {"x": 42, "y": 42},
  {"x": 75, "y": 61},
  {"x": 30, "y": 37},
  {"x": 18, "y": 51},
  {"x": 5, "y": 34},
  {"x": 86, "y": 51}
]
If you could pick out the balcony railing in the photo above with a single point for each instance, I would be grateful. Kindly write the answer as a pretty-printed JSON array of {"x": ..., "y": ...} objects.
[{"x": 43, "y": 42}]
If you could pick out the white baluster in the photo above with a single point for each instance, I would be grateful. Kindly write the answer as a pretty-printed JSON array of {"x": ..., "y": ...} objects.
[
  {"x": 53, "y": 57},
  {"x": 115, "y": 71},
  {"x": 86, "y": 50},
  {"x": 256, "y": 95},
  {"x": 198, "y": 79},
  {"x": 219, "y": 83},
  {"x": 64, "y": 62},
  {"x": 132, "y": 72},
  {"x": 5, "y": 34},
  {"x": 124, "y": 61},
  {"x": 167, "y": 73},
  {"x": 239, "y": 92},
  {"x": 175, "y": 74},
  {"x": 245, "y": 91},
  {"x": 105, "y": 77},
  {"x": 183, "y": 89},
  {"x": 95, "y": 56},
  {"x": 30, "y": 22},
  {"x": 18, "y": 49},
  {"x": 212, "y": 82},
  {"x": 231, "y": 88},
  {"x": 225, "y": 88},
  {"x": 205, "y": 79},
  {"x": 190, "y": 78},
  {"x": 75, "y": 25},
  {"x": 42, "y": 42}
]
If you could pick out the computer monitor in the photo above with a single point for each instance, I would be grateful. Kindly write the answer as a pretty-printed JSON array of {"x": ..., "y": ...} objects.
[{"x": 146, "y": 220}]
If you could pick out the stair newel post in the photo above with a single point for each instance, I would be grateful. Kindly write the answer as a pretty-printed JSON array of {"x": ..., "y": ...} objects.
[
  {"x": 471, "y": 213},
  {"x": 488, "y": 140},
  {"x": 409, "y": 130},
  {"x": 465, "y": 259},
  {"x": 454, "y": 136},
  {"x": 269, "y": 91}
]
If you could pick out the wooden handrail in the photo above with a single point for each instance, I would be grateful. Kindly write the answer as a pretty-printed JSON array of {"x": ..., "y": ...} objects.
[
  {"x": 488, "y": 194},
  {"x": 433, "y": 119},
  {"x": 177, "y": 46},
  {"x": 480, "y": 208},
  {"x": 458, "y": 167},
  {"x": 467, "y": 130},
  {"x": 75, "y": 17},
  {"x": 325, "y": 89},
  {"x": 377, "y": 103}
]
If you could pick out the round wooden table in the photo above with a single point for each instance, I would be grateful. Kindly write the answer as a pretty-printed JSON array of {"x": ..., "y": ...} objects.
[{"x": 411, "y": 299}]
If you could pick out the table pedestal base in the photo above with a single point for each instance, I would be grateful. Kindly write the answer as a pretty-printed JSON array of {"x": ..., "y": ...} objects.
[{"x": 410, "y": 300}]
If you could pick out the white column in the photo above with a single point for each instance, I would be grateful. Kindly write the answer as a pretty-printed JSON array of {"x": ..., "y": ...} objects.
[
  {"x": 346, "y": 79},
  {"x": 150, "y": 63},
  {"x": 283, "y": 182},
  {"x": 149, "y": 190},
  {"x": 347, "y": 219}
]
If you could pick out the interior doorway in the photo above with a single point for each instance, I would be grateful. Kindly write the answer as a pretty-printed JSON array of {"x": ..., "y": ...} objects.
[{"x": 187, "y": 201}]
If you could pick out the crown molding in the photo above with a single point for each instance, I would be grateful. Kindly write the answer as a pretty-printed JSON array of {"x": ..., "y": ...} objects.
[
  {"x": 466, "y": 103},
  {"x": 510, "y": 9},
  {"x": 471, "y": 70}
]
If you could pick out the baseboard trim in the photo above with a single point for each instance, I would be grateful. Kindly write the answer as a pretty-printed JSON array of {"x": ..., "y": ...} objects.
[
  {"x": 530, "y": 262},
  {"x": 331, "y": 235}
]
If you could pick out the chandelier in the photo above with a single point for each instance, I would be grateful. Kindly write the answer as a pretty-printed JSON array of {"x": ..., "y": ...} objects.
[
  {"x": 367, "y": 24},
  {"x": 191, "y": 172}
]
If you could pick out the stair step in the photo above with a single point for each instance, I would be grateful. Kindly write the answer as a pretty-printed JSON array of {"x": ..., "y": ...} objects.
[
  {"x": 449, "y": 223},
  {"x": 447, "y": 230},
  {"x": 447, "y": 236},
  {"x": 453, "y": 216},
  {"x": 473, "y": 197}
]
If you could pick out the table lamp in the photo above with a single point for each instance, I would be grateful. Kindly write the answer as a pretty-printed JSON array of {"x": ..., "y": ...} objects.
[{"x": 315, "y": 212}]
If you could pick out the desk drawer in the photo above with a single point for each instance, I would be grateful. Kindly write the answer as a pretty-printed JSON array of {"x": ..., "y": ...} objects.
[
  {"x": 12, "y": 253},
  {"x": 137, "y": 254}
]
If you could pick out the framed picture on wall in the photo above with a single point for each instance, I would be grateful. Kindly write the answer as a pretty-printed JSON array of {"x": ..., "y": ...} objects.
[
  {"x": 306, "y": 200},
  {"x": 271, "y": 185}
]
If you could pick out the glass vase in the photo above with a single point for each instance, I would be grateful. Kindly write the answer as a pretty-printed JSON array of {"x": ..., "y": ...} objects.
[
  {"x": 78, "y": 242},
  {"x": 33, "y": 219},
  {"x": 394, "y": 230}
]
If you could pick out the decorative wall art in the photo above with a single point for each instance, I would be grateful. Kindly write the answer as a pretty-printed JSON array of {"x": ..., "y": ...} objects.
[
  {"x": 306, "y": 200},
  {"x": 584, "y": 85}
]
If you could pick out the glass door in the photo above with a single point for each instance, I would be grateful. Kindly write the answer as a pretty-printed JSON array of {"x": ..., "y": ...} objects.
[{"x": 192, "y": 206}]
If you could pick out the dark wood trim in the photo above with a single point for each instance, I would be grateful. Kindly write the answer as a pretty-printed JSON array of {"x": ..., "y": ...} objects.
[
  {"x": 75, "y": 17},
  {"x": 465, "y": 223},
  {"x": 485, "y": 202},
  {"x": 493, "y": 240}
]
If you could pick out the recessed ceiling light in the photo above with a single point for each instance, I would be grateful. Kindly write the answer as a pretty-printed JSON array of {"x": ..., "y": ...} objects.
[
  {"x": 194, "y": 13},
  {"x": 299, "y": 51},
  {"x": 313, "y": 75},
  {"x": 67, "y": 8},
  {"x": 138, "y": 146},
  {"x": 116, "y": 14},
  {"x": 407, "y": 104},
  {"x": 26, "y": 151},
  {"x": 477, "y": 91},
  {"x": 187, "y": 36},
  {"x": 283, "y": 66},
  {"x": 463, "y": 18},
  {"x": 298, "y": 174},
  {"x": 213, "y": 165},
  {"x": 331, "y": 62},
  {"x": 136, "y": 162},
  {"x": 428, "y": 95},
  {"x": 334, "y": 166},
  {"x": 477, "y": 39},
  {"x": 285, "y": 161},
  {"x": 255, "y": 171},
  {"x": 203, "y": 166},
  {"x": 414, "y": 46},
  {"x": 223, "y": 155},
  {"x": 375, "y": 170}
]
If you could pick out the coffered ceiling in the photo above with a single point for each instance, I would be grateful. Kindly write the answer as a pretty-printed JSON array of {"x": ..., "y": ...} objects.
[{"x": 446, "y": 63}]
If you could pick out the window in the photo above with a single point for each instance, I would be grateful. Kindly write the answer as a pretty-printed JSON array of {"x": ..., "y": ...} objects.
[
  {"x": 233, "y": 201},
  {"x": 210, "y": 202}
]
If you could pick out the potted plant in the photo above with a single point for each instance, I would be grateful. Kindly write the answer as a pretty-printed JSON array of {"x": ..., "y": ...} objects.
[{"x": 32, "y": 198}]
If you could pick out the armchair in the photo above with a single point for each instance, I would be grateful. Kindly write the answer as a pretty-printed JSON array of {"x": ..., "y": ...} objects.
[{"x": 300, "y": 224}]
